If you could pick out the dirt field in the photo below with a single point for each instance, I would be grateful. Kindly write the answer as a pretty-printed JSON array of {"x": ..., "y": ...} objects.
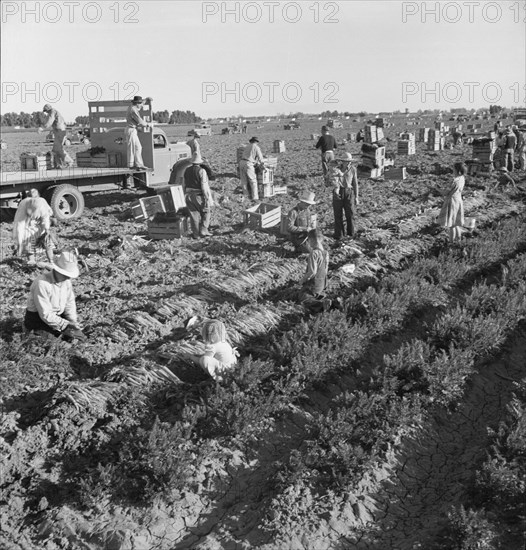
[{"x": 392, "y": 421}]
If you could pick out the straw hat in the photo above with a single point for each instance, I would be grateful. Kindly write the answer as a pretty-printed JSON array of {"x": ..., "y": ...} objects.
[
  {"x": 66, "y": 264},
  {"x": 307, "y": 197},
  {"x": 347, "y": 157},
  {"x": 47, "y": 107},
  {"x": 137, "y": 99}
]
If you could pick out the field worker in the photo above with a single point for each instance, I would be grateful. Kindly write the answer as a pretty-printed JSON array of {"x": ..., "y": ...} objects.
[
  {"x": 251, "y": 157},
  {"x": 32, "y": 228},
  {"x": 134, "y": 121},
  {"x": 193, "y": 143},
  {"x": 452, "y": 212},
  {"x": 504, "y": 178},
  {"x": 457, "y": 137},
  {"x": 56, "y": 122},
  {"x": 51, "y": 304},
  {"x": 198, "y": 198},
  {"x": 345, "y": 199},
  {"x": 301, "y": 220},
  {"x": 508, "y": 148},
  {"x": 521, "y": 150},
  {"x": 315, "y": 279},
  {"x": 219, "y": 355},
  {"x": 327, "y": 144}
]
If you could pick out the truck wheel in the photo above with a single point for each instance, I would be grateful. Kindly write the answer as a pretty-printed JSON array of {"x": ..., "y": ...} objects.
[
  {"x": 85, "y": 141},
  {"x": 67, "y": 202}
]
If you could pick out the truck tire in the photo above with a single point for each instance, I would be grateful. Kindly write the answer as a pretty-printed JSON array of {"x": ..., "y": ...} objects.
[{"x": 67, "y": 202}]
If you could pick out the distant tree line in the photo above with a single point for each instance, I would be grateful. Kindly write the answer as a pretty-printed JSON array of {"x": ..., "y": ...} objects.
[
  {"x": 38, "y": 118},
  {"x": 176, "y": 117},
  {"x": 24, "y": 120}
]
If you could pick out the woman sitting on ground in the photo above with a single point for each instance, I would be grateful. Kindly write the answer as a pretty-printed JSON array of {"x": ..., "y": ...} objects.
[
  {"x": 452, "y": 211},
  {"x": 219, "y": 355}
]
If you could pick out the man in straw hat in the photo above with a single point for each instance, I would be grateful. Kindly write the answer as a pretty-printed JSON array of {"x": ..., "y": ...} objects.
[
  {"x": 134, "y": 121},
  {"x": 198, "y": 197},
  {"x": 345, "y": 198},
  {"x": 51, "y": 304},
  {"x": 193, "y": 142},
  {"x": 300, "y": 220},
  {"x": 251, "y": 157},
  {"x": 56, "y": 122}
]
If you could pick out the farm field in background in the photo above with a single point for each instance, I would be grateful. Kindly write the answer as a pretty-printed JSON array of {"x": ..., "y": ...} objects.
[{"x": 394, "y": 420}]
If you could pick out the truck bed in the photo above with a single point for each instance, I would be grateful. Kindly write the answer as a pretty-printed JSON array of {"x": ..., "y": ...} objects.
[{"x": 74, "y": 173}]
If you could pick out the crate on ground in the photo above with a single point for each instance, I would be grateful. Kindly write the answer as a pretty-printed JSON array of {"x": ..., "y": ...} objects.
[
  {"x": 368, "y": 172},
  {"x": 168, "y": 225},
  {"x": 266, "y": 190},
  {"x": 351, "y": 136},
  {"x": 406, "y": 147},
  {"x": 279, "y": 146},
  {"x": 173, "y": 198},
  {"x": 147, "y": 207},
  {"x": 398, "y": 173},
  {"x": 262, "y": 216},
  {"x": 30, "y": 162}
]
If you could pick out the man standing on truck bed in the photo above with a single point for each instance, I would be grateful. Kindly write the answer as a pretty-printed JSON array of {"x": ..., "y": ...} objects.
[
  {"x": 56, "y": 122},
  {"x": 133, "y": 122}
]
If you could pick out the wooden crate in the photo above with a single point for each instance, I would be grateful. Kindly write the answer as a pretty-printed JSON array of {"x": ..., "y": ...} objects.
[
  {"x": 147, "y": 207},
  {"x": 99, "y": 160},
  {"x": 173, "y": 198},
  {"x": 30, "y": 162},
  {"x": 398, "y": 173},
  {"x": 279, "y": 146},
  {"x": 280, "y": 190},
  {"x": 266, "y": 190},
  {"x": 169, "y": 228},
  {"x": 265, "y": 177},
  {"x": 262, "y": 216}
]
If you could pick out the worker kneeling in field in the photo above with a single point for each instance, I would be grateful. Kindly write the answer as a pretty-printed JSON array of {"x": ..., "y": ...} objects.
[
  {"x": 301, "y": 219},
  {"x": 198, "y": 198},
  {"x": 251, "y": 157},
  {"x": 219, "y": 355},
  {"x": 51, "y": 304},
  {"x": 32, "y": 227}
]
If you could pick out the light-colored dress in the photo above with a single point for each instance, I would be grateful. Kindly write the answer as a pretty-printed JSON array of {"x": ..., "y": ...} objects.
[
  {"x": 32, "y": 220},
  {"x": 452, "y": 211}
]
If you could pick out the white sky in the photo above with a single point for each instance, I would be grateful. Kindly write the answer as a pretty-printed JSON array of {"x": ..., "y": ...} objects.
[{"x": 172, "y": 51}]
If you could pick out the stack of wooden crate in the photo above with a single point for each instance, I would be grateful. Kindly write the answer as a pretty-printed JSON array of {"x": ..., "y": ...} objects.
[
  {"x": 371, "y": 133},
  {"x": 435, "y": 141},
  {"x": 373, "y": 156},
  {"x": 483, "y": 153},
  {"x": 423, "y": 134},
  {"x": 31, "y": 163},
  {"x": 406, "y": 145},
  {"x": 351, "y": 136},
  {"x": 279, "y": 146}
]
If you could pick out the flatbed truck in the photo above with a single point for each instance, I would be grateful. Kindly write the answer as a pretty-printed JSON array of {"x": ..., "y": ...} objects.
[{"x": 64, "y": 189}]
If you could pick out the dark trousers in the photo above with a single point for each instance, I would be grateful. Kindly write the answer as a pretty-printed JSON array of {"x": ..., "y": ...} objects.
[
  {"x": 33, "y": 322},
  {"x": 341, "y": 205},
  {"x": 199, "y": 212},
  {"x": 508, "y": 160}
]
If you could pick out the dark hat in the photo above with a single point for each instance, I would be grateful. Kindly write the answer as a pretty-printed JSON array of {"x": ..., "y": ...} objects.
[
  {"x": 253, "y": 140},
  {"x": 324, "y": 129},
  {"x": 47, "y": 107},
  {"x": 137, "y": 99}
]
